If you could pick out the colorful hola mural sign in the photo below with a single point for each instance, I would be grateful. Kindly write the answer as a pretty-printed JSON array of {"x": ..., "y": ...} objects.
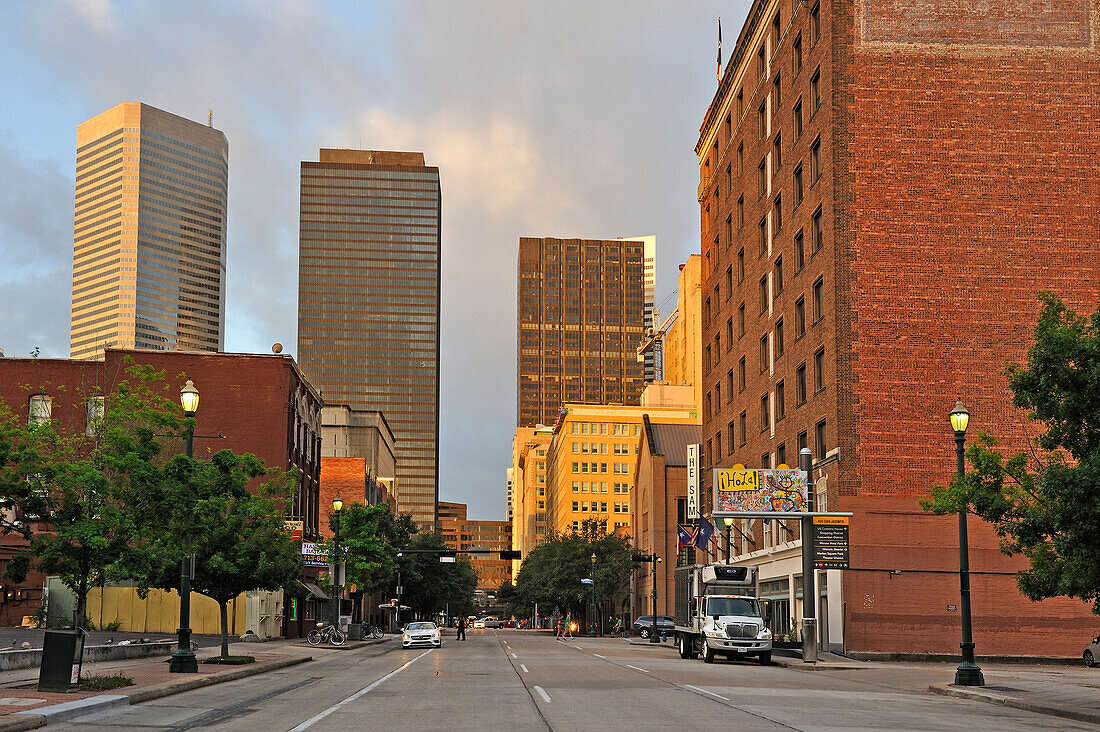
[{"x": 759, "y": 491}]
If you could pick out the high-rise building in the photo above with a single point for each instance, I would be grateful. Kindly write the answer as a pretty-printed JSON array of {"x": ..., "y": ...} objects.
[
  {"x": 368, "y": 301},
  {"x": 487, "y": 538},
  {"x": 148, "y": 233},
  {"x": 881, "y": 202},
  {"x": 582, "y": 314}
]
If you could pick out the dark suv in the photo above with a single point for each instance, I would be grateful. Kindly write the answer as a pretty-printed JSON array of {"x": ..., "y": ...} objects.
[{"x": 643, "y": 625}]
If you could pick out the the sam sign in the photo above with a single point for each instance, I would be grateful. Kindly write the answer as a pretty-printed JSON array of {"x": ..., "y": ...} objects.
[
  {"x": 312, "y": 555},
  {"x": 693, "y": 481},
  {"x": 749, "y": 490}
]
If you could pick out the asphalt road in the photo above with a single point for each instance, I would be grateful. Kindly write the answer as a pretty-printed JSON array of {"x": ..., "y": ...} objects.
[{"x": 517, "y": 680}]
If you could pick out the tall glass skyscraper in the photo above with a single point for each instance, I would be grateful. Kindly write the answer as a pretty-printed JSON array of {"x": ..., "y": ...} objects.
[
  {"x": 368, "y": 301},
  {"x": 148, "y": 233}
]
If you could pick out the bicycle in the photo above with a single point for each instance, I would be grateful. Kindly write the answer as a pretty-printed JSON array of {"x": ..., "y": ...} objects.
[
  {"x": 372, "y": 631},
  {"x": 328, "y": 633}
]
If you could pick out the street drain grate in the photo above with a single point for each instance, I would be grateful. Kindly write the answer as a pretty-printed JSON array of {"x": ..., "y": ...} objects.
[{"x": 1003, "y": 689}]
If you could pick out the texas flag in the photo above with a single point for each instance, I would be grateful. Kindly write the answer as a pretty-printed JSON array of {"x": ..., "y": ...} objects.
[
  {"x": 704, "y": 534},
  {"x": 684, "y": 536}
]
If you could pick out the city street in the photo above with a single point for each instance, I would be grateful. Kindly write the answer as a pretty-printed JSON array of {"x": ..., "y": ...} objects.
[{"x": 519, "y": 680}]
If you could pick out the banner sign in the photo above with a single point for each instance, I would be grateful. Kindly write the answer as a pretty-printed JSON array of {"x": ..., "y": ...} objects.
[
  {"x": 312, "y": 556},
  {"x": 295, "y": 528},
  {"x": 759, "y": 491},
  {"x": 830, "y": 537},
  {"x": 693, "y": 481}
]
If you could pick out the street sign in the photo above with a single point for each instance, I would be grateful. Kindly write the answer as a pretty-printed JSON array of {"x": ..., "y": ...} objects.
[
  {"x": 586, "y": 581},
  {"x": 740, "y": 489},
  {"x": 446, "y": 559},
  {"x": 830, "y": 539},
  {"x": 693, "y": 481},
  {"x": 312, "y": 557}
]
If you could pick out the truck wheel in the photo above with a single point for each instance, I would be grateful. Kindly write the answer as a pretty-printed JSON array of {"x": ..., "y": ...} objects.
[
  {"x": 687, "y": 648},
  {"x": 766, "y": 659},
  {"x": 707, "y": 652}
]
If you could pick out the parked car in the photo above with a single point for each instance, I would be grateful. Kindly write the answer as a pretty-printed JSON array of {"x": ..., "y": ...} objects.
[
  {"x": 489, "y": 621},
  {"x": 421, "y": 633},
  {"x": 1092, "y": 652},
  {"x": 643, "y": 625}
]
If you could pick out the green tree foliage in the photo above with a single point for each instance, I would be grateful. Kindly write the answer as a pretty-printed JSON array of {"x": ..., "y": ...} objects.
[
  {"x": 369, "y": 539},
  {"x": 65, "y": 488},
  {"x": 551, "y": 574},
  {"x": 229, "y": 513},
  {"x": 1045, "y": 505},
  {"x": 431, "y": 586}
]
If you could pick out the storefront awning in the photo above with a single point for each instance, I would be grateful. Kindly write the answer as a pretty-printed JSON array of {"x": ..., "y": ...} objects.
[{"x": 314, "y": 590}]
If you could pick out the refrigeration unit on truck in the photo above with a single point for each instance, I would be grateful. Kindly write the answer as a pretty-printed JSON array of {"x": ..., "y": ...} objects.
[{"x": 718, "y": 612}]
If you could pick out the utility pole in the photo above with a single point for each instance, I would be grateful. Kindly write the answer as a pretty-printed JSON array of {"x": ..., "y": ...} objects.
[{"x": 809, "y": 599}]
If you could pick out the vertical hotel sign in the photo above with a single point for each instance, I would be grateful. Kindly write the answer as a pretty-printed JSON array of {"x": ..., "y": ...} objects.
[{"x": 693, "y": 481}]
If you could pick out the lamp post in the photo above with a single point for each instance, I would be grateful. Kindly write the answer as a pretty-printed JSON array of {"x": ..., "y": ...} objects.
[
  {"x": 728, "y": 521},
  {"x": 653, "y": 637},
  {"x": 183, "y": 659},
  {"x": 337, "y": 578},
  {"x": 968, "y": 673},
  {"x": 595, "y": 614}
]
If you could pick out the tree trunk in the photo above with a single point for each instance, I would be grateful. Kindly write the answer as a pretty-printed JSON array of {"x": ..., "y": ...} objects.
[
  {"x": 81, "y": 604},
  {"x": 224, "y": 608}
]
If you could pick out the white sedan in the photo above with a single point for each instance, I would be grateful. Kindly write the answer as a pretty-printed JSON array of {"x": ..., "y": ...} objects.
[{"x": 421, "y": 634}]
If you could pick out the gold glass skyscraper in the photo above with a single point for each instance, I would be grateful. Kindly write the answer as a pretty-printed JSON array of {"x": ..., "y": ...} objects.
[
  {"x": 368, "y": 301},
  {"x": 148, "y": 233}
]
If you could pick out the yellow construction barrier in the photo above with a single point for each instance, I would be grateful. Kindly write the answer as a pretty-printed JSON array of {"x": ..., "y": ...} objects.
[{"x": 160, "y": 611}]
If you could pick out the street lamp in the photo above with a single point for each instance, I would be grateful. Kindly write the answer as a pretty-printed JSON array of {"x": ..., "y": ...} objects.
[
  {"x": 592, "y": 624},
  {"x": 728, "y": 521},
  {"x": 337, "y": 582},
  {"x": 183, "y": 659},
  {"x": 968, "y": 673}
]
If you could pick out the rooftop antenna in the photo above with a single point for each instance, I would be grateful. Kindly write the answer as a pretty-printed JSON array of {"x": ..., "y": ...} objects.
[{"x": 210, "y": 118}]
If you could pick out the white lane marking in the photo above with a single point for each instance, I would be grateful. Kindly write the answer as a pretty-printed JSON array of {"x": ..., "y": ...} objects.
[
  {"x": 707, "y": 692},
  {"x": 599, "y": 656},
  {"x": 637, "y": 668},
  {"x": 365, "y": 690},
  {"x": 543, "y": 694},
  {"x": 513, "y": 655},
  {"x": 524, "y": 669}
]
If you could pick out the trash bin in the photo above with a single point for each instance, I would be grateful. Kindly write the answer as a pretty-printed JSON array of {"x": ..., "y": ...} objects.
[
  {"x": 62, "y": 655},
  {"x": 355, "y": 631}
]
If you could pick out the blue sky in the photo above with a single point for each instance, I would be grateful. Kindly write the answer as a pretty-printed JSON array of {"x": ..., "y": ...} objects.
[{"x": 546, "y": 119}]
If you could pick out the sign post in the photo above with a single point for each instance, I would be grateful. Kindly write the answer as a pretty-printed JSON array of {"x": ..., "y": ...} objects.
[
  {"x": 809, "y": 586},
  {"x": 693, "y": 482}
]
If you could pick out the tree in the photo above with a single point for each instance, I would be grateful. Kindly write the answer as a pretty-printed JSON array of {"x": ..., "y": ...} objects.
[
  {"x": 369, "y": 539},
  {"x": 1045, "y": 505},
  {"x": 64, "y": 487},
  {"x": 432, "y": 586},
  {"x": 238, "y": 536}
]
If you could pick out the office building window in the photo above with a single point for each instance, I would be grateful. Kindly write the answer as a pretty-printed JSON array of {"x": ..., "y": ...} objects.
[
  {"x": 741, "y": 375},
  {"x": 40, "y": 408},
  {"x": 799, "y": 251},
  {"x": 718, "y": 443},
  {"x": 819, "y": 370},
  {"x": 815, "y": 24},
  {"x": 764, "y": 353},
  {"x": 762, "y": 111},
  {"x": 761, "y": 177},
  {"x": 778, "y": 277},
  {"x": 741, "y": 320},
  {"x": 765, "y": 412},
  {"x": 777, "y": 214},
  {"x": 777, "y": 153},
  {"x": 729, "y": 334},
  {"x": 777, "y": 91},
  {"x": 729, "y": 385},
  {"x": 798, "y": 190},
  {"x": 821, "y": 446},
  {"x": 819, "y": 299},
  {"x": 94, "y": 410},
  {"x": 730, "y": 433},
  {"x": 780, "y": 401},
  {"x": 729, "y": 230},
  {"x": 741, "y": 158},
  {"x": 817, "y": 231},
  {"x": 781, "y": 455},
  {"x": 729, "y": 281},
  {"x": 815, "y": 91},
  {"x": 779, "y": 338},
  {"x": 796, "y": 51},
  {"x": 799, "y": 318},
  {"x": 740, "y": 265},
  {"x": 800, "y": 385},
  {"x": 798, "y": 119},
  {"x": 740, "y": 104},
  {"x": 762, "y": 235},
  {"x": 763, "y": 293},
  {"x": 744, "y": 427}
]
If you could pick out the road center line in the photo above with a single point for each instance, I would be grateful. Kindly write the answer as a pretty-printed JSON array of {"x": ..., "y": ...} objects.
[
  {"x": 637, "y": 668},
  {"x": 599, "y": 656},
  {"x": 513, "y": 655},
  {"x": 542, "y": 693},
  {"x": 696, "y": 688},
  {"x": 524, "y": 669},
  {"x": 365, "y": 690}
]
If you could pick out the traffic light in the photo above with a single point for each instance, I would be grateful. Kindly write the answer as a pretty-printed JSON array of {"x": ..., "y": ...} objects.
[{"x": 511, "y": 554}]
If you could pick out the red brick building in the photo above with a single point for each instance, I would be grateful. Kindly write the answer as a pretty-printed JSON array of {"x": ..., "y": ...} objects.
[
  {"x": 464, "y": 534},
  {"x": 884, "y": 190},
  {"x": 248, "y": 403}
]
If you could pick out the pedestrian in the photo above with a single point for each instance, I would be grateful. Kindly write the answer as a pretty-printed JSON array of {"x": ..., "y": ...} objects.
[
  {"x": 461, "y": 629},
  {"x": 569, "y": 625}
]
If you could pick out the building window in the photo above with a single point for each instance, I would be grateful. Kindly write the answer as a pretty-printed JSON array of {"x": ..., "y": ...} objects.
[
  {"x": 781, "y": 455},
  {"x": 740, "y": 104},
  {"x": 707, "y": 360},
  {"x": 819, "y": 370},
  {"x": 718, "y": 442},
  {"x": 730, "y": 433},
  {"x": 778, "y": 277},
  {"x": 740, "y": 265},
  {"x": 729, "y": 229},
  {"x": 779, "y": 338},
  {"x": 762, "y": 60},
  {"x": 799, "y": 318},
  {"x": 799, "y": 251},
  {"x": 40, "y": 408},
  {"x": 815, "y": 91},
  {"x": 762, "y": 235},
  {"x": 777, "y": 213},
  {"x": 729, "y": 128},
  {"x": 777, "y": 91},
  {"x": 821, "y": 445},
  {"x": 740, "y": 212},
  {"x": 741, "y": 375},
  {"x": 763, "y": 293},
  {"x": 94, "y": 410},
  {"x": 815, "y": 24},
  {"x": 798, "y": 119},
  {"x": 729, "y": 281},
  {"x": 762, "y": 113},
  {"x": 798, "y": 189},
  {"x": 815, "y": 160},
  {"x": 764, "y": 353},
  {"x": 780, "y": 401},
  {"x": 717, "y": 348},
  {"x": 800, "y": 385},
  {"x": 802, "y": 442},
  {"x": 761, "y": 176},
  {"x": 729, "y": 334},
  {"x": 817, "y": 231},
  {"x": 729, "y": 386},
  {"x": 777, "y": 153},
  {"x": 741, "y": 320},
  {"x": 819, "y": 299},
  {"x": 796, "y": 50},
  {"x": 741, "y": 158},
  {"x": 766, "y": 461},
  {"x": 744, "y": 427},
  {"x": 765, "y": 412}
]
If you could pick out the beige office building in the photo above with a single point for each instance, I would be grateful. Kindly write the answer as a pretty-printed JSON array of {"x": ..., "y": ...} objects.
[{"x": 148, "y": 233}]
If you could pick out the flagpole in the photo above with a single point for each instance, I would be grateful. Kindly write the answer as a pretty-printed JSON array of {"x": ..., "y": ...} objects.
[{"x": 718, "y": 73}]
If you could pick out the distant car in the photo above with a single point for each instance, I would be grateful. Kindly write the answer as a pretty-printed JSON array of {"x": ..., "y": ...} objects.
[
  {"x": 421, "y": 633},
  {"x": 1092, "y": 652},
  {"x": 489, "y": 621},
  {"x": 643, "y": 625}
]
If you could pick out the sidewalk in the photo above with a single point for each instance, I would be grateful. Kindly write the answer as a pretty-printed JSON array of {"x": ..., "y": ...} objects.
[
  {"x": 22, "y": 706},
  {"x": 1070, "y": 694}
]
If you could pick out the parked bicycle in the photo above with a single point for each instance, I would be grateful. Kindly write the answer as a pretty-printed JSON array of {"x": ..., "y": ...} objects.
[
  {"x": 372, "y": 631},
  {"x": 323, "y": 633}
]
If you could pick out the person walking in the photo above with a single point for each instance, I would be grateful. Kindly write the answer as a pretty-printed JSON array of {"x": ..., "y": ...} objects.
[{"x": 461, "y": 629}]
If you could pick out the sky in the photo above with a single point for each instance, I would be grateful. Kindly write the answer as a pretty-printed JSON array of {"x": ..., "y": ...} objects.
[{"x": 545, "y": 119}]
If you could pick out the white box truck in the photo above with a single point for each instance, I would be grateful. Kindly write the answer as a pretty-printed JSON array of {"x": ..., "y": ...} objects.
[{"x": 718, "y": 612}]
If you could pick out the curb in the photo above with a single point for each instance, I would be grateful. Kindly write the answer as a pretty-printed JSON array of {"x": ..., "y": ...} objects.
[
  {"x": 798, "y": 663},
  {"x": 78, "y": 707},
  {"x": 963, "y": 692}
]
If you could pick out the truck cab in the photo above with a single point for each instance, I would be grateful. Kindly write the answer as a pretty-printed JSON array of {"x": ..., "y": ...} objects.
[{"x": 718, "y": 613}]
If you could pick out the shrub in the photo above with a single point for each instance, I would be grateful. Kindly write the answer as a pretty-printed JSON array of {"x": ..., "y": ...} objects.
[
  {"x": 105, "y": 683},
  {"x": 113, "y": 626}
]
